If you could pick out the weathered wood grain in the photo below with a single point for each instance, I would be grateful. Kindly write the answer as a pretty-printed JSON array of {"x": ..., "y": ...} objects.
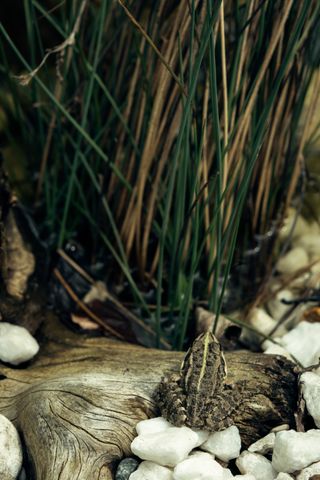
[{"x": 77, "y": 404}]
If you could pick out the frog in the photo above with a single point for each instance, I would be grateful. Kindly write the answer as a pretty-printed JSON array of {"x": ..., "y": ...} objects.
[{"x": 198, "y": 396}]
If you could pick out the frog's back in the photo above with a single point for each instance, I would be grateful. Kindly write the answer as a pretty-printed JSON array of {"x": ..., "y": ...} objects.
[{"x": 202, "y": 375}]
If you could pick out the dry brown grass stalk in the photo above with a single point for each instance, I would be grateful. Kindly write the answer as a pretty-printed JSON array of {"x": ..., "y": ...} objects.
[
  {"x": 148, "y": 171},
  {"x": 304, "y": 135}
]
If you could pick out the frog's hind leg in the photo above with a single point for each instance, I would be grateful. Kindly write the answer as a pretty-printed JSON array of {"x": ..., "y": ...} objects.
[
  {"x": 221, "y": 409},
  {"x": 171, "y": 400}
]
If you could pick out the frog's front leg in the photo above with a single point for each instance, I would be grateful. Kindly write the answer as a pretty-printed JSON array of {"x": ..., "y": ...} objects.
[{"x": 171, "y": 400}]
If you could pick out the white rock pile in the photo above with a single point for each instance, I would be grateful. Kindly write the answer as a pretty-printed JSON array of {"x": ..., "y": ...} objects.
[
  {"x": 292, "y": 337},
  {"x": 171, "y": 453}
]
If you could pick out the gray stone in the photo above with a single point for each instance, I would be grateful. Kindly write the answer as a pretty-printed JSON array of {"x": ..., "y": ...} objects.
[
  {"x": 22, "y": 475},
  {"x": 263, "y": 445},
  {"x": 125, "y": 468}
]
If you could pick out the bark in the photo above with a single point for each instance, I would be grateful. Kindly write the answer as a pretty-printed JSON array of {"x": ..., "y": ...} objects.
[
  {"x": 23, "y": 262},
  {"x": 77, "y": 404}
]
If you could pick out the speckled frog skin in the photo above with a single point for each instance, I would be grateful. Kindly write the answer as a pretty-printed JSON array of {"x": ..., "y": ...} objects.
[{"x": 197, "y": 396}]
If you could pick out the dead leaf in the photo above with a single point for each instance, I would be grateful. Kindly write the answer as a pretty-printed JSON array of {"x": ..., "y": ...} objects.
[
  {"x": 312, "y": 314},
  {"x": 84, "y": 322}
]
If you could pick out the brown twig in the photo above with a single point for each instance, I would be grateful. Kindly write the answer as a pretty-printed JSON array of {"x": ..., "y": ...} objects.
[
  {"x": 153, "y": 46},
  {"x": 84, "y": 307}
]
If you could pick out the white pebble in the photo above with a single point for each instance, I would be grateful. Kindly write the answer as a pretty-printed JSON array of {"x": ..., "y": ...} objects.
[
  {"x": 276, "y": 307},
  {"x": 293, "y": 260},
  {"x": 298, "y": 284},
  {"x": 310, "y": 243},
  {"x": 263, "y": 445},
  {"x": 203, "y": 435},
  {"x": 10, "y": 450},
  {"x": 284, "y": 476},
  {"x": 301, "y": 226},
  {"x": 151, "y": 471},
  {"x": 313, "y": 227},
  {"x": 280, "y": 428},
  {"x": 168, "y": 447},
  {"x": 257, "y": 465},
  {"x": 303, "y": 342},
  {"x": 311, "y": 393},
  {"x": 315, "y": 268},
  {"x": 263, "y": 323},
  {"x": 227, "y": 474},
  {"x": 271, "y": 348},
  {"x": 152, "y": 425},
  {"x": 246, "y": 476},
  {"x": 308, "y": 472},
  {"x": 201, "y": 454},
  {"x": 16, "y": 344},
  {"x": 295, "y": 450},
  {"x": 225, "y": 445},
  {"x": 200, "y": 467}
]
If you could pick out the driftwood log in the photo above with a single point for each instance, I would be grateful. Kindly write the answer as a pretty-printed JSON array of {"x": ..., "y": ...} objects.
[{"x": 77, "y": 403}]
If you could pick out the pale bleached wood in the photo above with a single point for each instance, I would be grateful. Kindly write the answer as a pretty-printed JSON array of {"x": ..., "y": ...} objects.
[{"x": 77, "y": 404}]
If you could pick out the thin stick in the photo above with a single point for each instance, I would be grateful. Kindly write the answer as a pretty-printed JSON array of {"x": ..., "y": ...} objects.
[
  {"x": 122, "y": 310},
  {"x": 84, "y": 307},
  {"x": 75, "y": 266},
  {"x": 153, "y": 46},
  {"x": 68, "y": 43}
]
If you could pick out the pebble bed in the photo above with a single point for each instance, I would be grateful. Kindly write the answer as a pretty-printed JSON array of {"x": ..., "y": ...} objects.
[{"x": 172, "y": 453}]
